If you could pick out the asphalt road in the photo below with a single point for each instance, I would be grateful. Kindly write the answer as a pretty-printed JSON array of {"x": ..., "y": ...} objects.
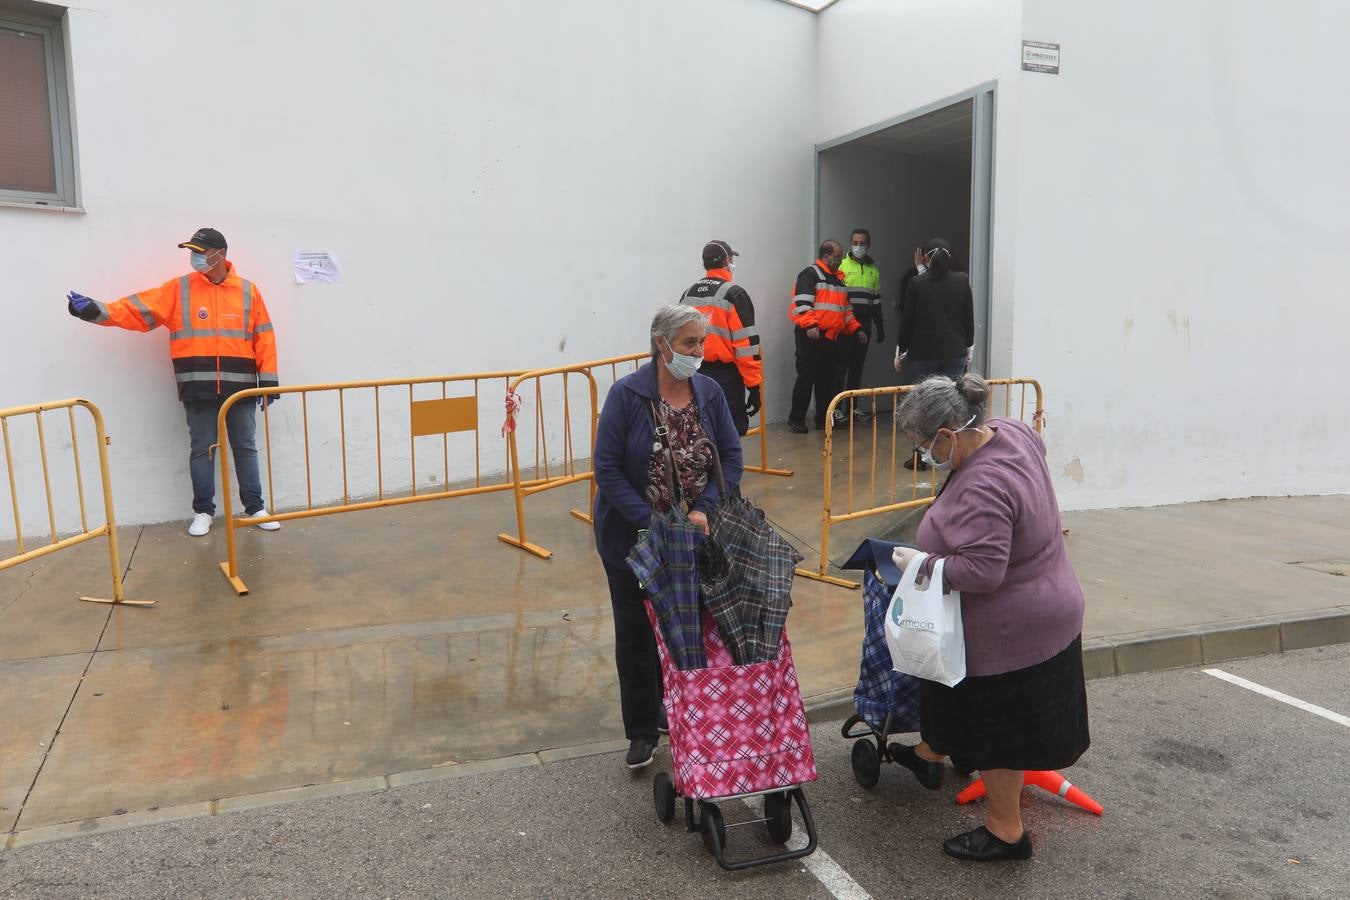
[{"x": 1210, "y": 790}]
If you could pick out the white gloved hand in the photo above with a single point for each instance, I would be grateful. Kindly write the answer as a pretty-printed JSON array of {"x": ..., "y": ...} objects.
[
  {"x": 903, "y": 556},
  {"x": 899, "y": 358}
]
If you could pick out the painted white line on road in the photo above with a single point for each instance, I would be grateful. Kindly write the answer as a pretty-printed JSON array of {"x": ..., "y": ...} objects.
[
  {"x": 1283, "y": 698},
  {"x": 820, "y": 864}
]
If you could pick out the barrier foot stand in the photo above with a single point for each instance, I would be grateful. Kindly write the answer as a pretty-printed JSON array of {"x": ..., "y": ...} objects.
[
  {"x": 582, "y": 515},
  {"x": 119, "y": 602},
  {"x": 828, "y": 579},
  {"x": 1053, "y": 782},
  {"x": 235, "y": 581},
  {"x": 787, "y": 473},
  {"x": 541, "y": 552}
]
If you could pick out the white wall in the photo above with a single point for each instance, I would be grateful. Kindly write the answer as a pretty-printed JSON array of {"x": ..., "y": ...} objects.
[
  {"x": 1184, "y": 248},
  {"x": 506, "y": 184},
  {"x": 883, "y": 58}
]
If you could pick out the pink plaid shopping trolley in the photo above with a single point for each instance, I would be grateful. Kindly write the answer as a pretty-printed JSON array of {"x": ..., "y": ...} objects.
[{"x": 735, "y": 732}]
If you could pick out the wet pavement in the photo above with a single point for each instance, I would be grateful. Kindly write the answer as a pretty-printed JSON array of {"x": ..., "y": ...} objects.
[
  {"x": 406, "y": 639},
  {"x": 1209, "y": 790}
]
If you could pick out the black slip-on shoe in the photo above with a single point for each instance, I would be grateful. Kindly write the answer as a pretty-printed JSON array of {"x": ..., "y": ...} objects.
[
  {"x": 928, "y": 773},
  {"x": 979, "y": 845},
  {"x": 641, "y": 752},
  {"x": 797, "y": 427}
]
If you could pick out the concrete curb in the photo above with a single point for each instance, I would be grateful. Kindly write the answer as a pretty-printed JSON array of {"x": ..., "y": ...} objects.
[{"x": 1126, "y": 654}]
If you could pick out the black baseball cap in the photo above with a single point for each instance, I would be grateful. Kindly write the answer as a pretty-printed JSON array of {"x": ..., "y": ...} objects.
[
  {"x": 714, "y": 250},
  {"x": 205, "y": 239}
]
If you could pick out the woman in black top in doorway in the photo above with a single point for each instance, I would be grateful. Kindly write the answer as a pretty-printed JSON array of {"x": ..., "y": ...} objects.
[{"x": 937, "y": 317}]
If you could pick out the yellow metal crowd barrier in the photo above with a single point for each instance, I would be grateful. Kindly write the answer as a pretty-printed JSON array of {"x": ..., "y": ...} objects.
[
  {"x": 442, "y": 416},
  {"x": 544, "y": 477},
  {"x": 893, "y": 497},
  {"x": 108, "y": 529}
]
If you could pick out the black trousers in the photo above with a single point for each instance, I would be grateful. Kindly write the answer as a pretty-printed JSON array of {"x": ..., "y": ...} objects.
[
  {"x": 640, "y": 688},
  {"x": 729, "y": 377},
  {"x": 852, "y": 355},
  {"x": 817, "y": 373}
]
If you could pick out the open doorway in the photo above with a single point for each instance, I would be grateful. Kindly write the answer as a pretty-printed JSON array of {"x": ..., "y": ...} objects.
[{"x": 926, "y": 174}]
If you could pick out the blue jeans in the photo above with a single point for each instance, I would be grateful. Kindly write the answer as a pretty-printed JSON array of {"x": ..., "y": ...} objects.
[
  {"x": 913, "y": 371},
  {"x": 241, "y": 423}
]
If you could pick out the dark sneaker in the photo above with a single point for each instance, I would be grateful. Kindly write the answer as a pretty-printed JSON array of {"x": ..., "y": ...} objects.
[
  {"x": 640, "y": 754},
  {"x": 797, "y": 427}
]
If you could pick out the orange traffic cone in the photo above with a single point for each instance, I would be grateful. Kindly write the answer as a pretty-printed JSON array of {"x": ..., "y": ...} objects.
[{"x": 1053, "y": 782}]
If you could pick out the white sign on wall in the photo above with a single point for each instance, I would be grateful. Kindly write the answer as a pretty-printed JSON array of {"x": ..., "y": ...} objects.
[
  {"x": 313, "y": 266},
  {"x": 1038, "y": 56}
]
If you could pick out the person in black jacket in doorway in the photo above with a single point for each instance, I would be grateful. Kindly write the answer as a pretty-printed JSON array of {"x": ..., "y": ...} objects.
[{"x": 937, "y": 319}]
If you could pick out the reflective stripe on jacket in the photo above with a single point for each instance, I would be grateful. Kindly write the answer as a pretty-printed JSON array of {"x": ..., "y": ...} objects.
[
  {"x": 730, "y": 339},
  {"x": 220, "y": 335},
  {"x": 820, "y": 300}
]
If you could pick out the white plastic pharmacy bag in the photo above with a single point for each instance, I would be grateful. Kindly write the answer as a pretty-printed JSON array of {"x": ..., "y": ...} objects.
[{"x": 923, "y": 627}]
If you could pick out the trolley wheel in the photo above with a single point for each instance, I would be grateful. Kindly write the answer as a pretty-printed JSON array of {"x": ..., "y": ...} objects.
[
  {"x": 778, "y": 813},
  {"x": 866, "y": 763},
  {"x": 714, "y": 830},
  {"x": 663, "y": 792}
]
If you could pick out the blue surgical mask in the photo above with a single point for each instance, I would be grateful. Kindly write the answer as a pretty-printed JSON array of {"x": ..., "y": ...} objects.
[
  {"x": 681, "y": 366},
  {"x": 199, "y": 263},
  {"x": 926, "y": 453}
]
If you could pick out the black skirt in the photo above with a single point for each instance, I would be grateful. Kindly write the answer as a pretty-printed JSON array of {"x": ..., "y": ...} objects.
[{"x": 1034, "y": 718}]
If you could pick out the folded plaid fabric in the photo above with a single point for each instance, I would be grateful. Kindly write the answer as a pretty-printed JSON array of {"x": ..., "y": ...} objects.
[
  {"x": 664, "y": 562},
  {"x": 745, "y": 572}
]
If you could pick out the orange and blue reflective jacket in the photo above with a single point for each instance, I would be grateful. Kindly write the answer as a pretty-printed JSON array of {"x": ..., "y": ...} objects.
[{"x": 220, "y": 336}]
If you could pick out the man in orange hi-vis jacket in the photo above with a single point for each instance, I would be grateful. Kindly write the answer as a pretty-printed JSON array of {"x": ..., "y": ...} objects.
[
  {"x": 822, "y": 316},
  {"x": 221, "y": 342},
  {"x": 731, "y": 352}
]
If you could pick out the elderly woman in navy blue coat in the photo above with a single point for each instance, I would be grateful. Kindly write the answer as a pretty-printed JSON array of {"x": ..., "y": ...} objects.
[{"x": 631, "y": 481}]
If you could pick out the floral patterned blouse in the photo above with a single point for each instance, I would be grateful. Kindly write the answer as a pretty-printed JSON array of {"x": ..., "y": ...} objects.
[{"x": 693, "y": 452}]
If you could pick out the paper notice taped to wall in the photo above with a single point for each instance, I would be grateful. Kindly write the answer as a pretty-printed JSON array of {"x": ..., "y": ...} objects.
[{"x": 315, "y": 266}]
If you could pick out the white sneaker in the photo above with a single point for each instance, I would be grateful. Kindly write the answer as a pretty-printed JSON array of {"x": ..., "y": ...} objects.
[
  {"x": 266, "y": 526},
  {"x": 200, "y": 525}
]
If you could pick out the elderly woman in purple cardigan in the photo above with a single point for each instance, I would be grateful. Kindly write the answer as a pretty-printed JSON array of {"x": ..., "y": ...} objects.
[{"x": 996, "y": 525}]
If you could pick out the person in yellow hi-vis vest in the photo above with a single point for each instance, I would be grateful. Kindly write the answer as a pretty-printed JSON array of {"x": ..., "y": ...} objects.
[{"x": 863, "y": 280}]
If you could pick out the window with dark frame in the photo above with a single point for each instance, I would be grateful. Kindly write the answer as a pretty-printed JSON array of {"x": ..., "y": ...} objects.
[{"x": 36, "y": 150}]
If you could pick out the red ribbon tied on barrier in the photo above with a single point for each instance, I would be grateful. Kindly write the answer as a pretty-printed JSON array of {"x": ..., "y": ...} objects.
[{"x": 512, "y": 407}]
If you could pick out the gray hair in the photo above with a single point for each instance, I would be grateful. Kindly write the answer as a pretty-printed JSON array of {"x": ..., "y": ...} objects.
[
  {"x": 670, "y": 319},
  {"x": 939, "y": 402}
]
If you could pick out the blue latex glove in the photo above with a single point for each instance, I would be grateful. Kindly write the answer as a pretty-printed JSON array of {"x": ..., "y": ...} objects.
[
  {"x": 268, "y": 400},
  {"x": 81, "y": 307}
]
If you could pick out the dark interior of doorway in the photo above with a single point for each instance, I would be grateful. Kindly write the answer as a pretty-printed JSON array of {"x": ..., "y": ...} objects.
[{"x": 906, "y": 184}]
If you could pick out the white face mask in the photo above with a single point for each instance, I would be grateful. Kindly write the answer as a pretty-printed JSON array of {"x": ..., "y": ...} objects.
[
  {"x": 926, "y": 453},
  {"x": 680, "y": 366},
  {"x": 859, "y": 251}
]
